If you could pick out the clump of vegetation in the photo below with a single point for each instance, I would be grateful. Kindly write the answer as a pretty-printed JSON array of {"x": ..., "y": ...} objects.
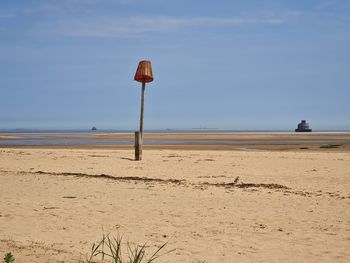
[
  {"x": 304, "y": 148},
  {"x": 9, "y": 258},
  {"x": 110, "y": 249},
  {"x": 330, "y": 146}
]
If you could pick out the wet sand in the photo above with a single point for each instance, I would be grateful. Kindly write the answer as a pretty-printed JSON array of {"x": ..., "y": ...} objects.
[
  {"x": 279, "y": 141},
  {"x": 212, "y": 206}
]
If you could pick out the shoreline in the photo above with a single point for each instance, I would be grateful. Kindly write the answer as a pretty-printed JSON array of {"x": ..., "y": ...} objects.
[{"x": 267, "y": 141}]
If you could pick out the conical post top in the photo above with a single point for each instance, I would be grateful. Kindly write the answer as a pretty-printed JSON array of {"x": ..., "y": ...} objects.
[{"x": 144, "y": 72}]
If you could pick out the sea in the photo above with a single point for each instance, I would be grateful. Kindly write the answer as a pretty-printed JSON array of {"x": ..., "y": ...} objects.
[{"x": 51, "y": 137}]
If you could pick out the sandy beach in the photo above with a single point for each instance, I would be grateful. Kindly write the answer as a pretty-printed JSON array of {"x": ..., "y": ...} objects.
[
  {"x": 207, "y": 131},
  {"x": 212, "y": 206}
]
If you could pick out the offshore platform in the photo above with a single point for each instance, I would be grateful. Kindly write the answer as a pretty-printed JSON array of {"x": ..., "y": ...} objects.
[{"x": 303, "y": 127}]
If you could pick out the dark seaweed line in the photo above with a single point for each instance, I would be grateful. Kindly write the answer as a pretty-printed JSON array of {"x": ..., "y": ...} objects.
[
  {"x": 235, "y": 184},
  {"x": 173, "y": 181},
  {"x": 277, "y": 187},
  {"x": 116, "y": 178},
  {"x": 247, "y": 185}
]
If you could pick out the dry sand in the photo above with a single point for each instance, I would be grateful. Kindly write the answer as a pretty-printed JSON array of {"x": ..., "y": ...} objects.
[{"x": 285, "y": 207}]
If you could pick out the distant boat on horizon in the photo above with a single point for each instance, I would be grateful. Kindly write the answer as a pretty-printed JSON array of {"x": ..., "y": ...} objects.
[{"x": 303, "y": 126}]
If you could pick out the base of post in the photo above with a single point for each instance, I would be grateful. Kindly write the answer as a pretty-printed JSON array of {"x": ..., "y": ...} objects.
[{"x": 138, "y": 146}]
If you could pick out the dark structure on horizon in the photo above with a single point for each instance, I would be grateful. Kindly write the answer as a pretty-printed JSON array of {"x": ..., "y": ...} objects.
[
  {"x": 94, "y": 128},
  {"x": 303, "y": 127}
]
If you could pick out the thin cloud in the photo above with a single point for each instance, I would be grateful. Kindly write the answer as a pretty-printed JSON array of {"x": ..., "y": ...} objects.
[
  {"x": 61, "y": 7},
  {"x": 133, "y": 26},
  {"x": 6, "y": 15},
  {"x": 328, "y": 5}
]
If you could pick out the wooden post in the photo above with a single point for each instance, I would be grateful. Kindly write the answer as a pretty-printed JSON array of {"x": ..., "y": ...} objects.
[
  {"x": 138, "y": 148},
  {"x": 139, "y": 134},
  {"x": 144, "y": 75},
  {"x": 142, "y": 106}
]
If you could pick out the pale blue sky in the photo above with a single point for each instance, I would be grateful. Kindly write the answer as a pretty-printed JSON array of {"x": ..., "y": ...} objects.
[{"x": 221, "y": 64}]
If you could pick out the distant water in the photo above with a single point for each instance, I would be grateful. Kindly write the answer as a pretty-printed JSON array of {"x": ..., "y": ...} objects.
[
  {"x": 129, "y": 131},
  {"x": 83, "y": 137},
  {"x": 194, "y": 130}
]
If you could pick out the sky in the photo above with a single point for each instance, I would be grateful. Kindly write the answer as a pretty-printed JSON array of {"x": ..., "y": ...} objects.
[{"x": 225, "y": 64}]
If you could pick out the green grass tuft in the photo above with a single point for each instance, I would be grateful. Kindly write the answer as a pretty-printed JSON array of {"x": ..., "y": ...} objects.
[
  {"x": 109, "y": 249},
  {"x": 9, "y": 258}
]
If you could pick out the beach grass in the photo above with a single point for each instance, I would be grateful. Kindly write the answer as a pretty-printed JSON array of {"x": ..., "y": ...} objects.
[
  {"x": 9, "y": 258},
  {"x": 110, "y": 249}
]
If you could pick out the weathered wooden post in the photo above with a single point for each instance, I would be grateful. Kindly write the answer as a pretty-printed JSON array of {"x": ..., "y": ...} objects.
[
  {"x": 138, "y": 149},
  {"x": 144, "y": 75}
]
